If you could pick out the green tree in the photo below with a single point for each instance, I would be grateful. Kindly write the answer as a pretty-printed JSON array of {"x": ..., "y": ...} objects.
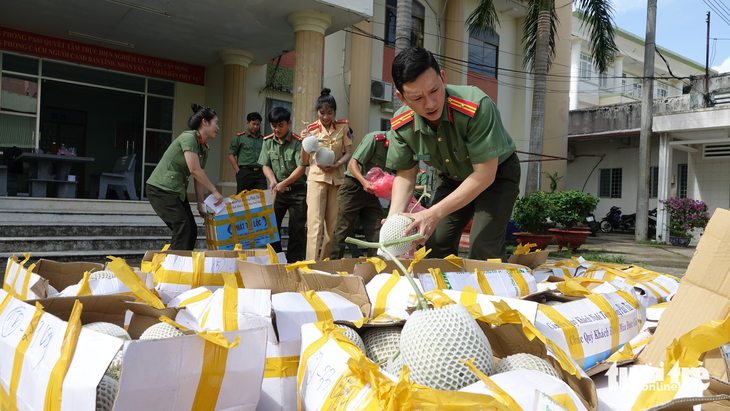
[{"x": 538, "y": 40}]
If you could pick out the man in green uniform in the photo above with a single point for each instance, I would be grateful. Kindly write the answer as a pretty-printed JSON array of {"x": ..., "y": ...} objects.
[
  {"x": 355, "y": 196},
  {"x": 458, "y": 130},
  {"x": 421, "y": 187},
  {"x": 244, "y": 155},
  {"x": 284, "y": 167}
]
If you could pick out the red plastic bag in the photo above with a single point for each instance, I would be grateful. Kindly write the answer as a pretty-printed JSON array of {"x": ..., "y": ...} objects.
[{"x": 380, "y": 182}]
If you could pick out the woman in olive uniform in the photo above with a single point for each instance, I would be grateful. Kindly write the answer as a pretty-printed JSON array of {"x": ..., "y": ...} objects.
[
  {"x": 325, "y": 179},
  {"x": 167, "y": 187}
]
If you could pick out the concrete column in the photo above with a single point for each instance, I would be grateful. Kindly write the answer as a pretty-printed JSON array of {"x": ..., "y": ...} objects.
[
  {"x": 618, "y": 71},
  {"x": 309, "y": 27},
  {"x": 575, "y": 73},
  {"x": 665, "y": 186},
  {"x": 233, "y": 117},
  {"x": 678, "y": 87},
  {"x": 453, "y": 44},
  {"x": 360, "y": 76}
]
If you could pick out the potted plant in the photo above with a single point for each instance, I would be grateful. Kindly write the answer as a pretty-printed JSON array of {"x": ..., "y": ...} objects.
[
  {"x": 568, "y": 209},
  {"x": 685, "y": 214},
  {"x": 531, "y": 217}
]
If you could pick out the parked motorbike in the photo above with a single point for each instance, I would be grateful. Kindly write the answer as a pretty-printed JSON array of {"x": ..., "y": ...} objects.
[
  {"x": 592, "y": 223},
  {"x": 615, "y": 220}
]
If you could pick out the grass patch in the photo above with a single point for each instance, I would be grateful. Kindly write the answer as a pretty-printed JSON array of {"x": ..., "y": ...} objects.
[
  {"x": 652, "y": 243},
  {"x": 599, "y": 256}
]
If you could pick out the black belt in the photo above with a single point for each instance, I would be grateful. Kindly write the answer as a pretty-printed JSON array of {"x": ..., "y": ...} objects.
[
  {"x": 295, "y": 187},
  {"x": 250, "y": 168}
]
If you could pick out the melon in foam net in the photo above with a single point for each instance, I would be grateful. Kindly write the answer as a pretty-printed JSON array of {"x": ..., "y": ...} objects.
[
  {"x": 115, "y": 368},
  {"x": 393, "y": 229}
]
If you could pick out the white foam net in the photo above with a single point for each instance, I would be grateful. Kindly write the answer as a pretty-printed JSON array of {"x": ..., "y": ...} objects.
[
  {"x": 101, "y": 275},
  {"x": 353, "y": 336},
  {"x": 393, "y": 229},
  {"x": 161, "y": 331},
  {"x": 434, "y": 340},
  {"x": 525, "y": 361},
  {"x": 109, "y": 329},
  {"x": 106, "y": 392},
  {"x": 381, "y": 342}
]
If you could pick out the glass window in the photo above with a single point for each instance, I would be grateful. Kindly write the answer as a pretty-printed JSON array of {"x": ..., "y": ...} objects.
[
  {"x": 586, "y": 67},
  {"x": 162, "y": 88},
  {"x": 662, "y": 90},
  {"x": 270, "y": 104},
  {"x": 18, "y": 131},
  {"x": 603, "y": 80},
  {"x": 157, "y": 144},
  {"x": 159, "y": 113},
  {"x": 92, "y": 76},
  {"x": 483, "y": 54},
  {"x": 384, "y": 124},
  {"x": 19, "y": 94},
  {"x": 636, "y": 88},
  {"x": 418, "y": 14},
  {"x": 610, "y": 183},
  {"x": 682, "y": 173},
  {"x": 19, "y": 64}
]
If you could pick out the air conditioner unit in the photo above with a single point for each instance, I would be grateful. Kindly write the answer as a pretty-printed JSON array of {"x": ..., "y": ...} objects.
[{"x": 381, "y": 91}]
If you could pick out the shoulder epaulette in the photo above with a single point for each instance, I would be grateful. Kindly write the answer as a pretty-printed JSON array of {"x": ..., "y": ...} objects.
[
  {"x": 269, "y": 136},
  {"x": 379, "y": 137},
  {"x": 241, "y": 133},
  {"x": 402, "y": 119},
  {"x": 296, "y": 136},
  {"x": 466, "y": 107},
  {"x": 313, "y": 126},
  {"x": 342, "y": 121}
]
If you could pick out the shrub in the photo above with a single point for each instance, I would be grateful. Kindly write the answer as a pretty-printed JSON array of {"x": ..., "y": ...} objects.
[
  {"x": 531, "y": 212},
  {"x": 572, "y": 207},
  {"x": 685, "y": 214}
]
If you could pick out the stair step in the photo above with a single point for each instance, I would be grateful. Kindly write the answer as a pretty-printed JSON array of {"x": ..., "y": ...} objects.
[
  {"x": 75, "y": 230},
  {"x": 27, "y": 244}
]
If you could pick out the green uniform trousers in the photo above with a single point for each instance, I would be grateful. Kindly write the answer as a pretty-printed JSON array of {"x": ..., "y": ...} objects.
[
  {"x": 295, "y": 202},
  {"x": 491, "y": 210},
  {"x": 177, "y": 216},
  {"x": 352, "y": 201},
  {"x": 250, "y": 178}
]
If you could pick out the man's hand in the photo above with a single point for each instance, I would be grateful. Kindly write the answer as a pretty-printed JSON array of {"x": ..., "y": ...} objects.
[
  {"x": 272, "y": 185},
  {"x": 218, "y": 198},
  {"x": 305, "y": 133},
  {"x": 366, "y": 187},
  {"x": 280, "y": 188},
  {"x": 424, "y": 221},
  {"x": 328, "y": 167}
]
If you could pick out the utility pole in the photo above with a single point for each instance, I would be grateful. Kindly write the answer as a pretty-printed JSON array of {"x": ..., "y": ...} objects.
[
  {"x": 707, "y": 56},
  {"x": 647, "y": 110}
]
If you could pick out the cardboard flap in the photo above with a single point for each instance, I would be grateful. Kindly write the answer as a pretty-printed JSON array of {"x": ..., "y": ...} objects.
[
  {"x": 367, "y": 269},
  {"x": 481, "y": 265},
  {"x": 104, "y": 308},
  {"x": 272, "y": 277},
  {"x": 716, "y": 397},
  {"x": 61, "y": 275},
  {"x": 333, "y": 266},
  {"x": 703, "y": 295},
  {"x": 351, "y": 288},
  {"x": 532, "y": 260},
  {"x": 218, "y": 253},
  {"x": 146, "y": 316}
]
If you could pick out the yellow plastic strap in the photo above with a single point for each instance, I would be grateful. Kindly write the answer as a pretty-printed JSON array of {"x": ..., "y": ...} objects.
[
  {"x": 524, "y": 249},
  {"x": 20, "y": 350},
  {"x": 302, "y": 265},
  {"x": 629, "y": 299},
  {"x": 573, "y": 287},
  {"x": 382, "y": 297},
  {"x": 84, "y": 289},
  {"x": 230, "y": 302},
  {"x": 215, "y": 356},
  {"x": 320, "y": 308},
  {"x": 625, "y": 353},
  {"x": 565, "y": 401},
  {"x": 198, "y": 269},
  {"x": 494, "y": 260},
  {"x": 232, "y": 221},
  {"x": 685, "y": 353},
  {"x": 360, "y": 322},
  {"x": 205, "y": 318},
  {"x": 273, "y": 258},
  {"x": 12, "y": 260},
  {"x": 438, "y": 279},
  {"x": 167, "y": 320},
  {"x": 342, "y": 273},
  {"x": 194, "y": 299},
  {"x": 572, "y": 337},
  {"x": 165, "y": 248},
  {"x": 468, "y": 296},
  {"x": 520, "y": 281},
  {"x": 454, "y": 260},
  {"x": 125, "y": 274},
  {"x": 609, "y": 312},
  {"x": 238, "y": 247},
  {"x": 438, "y": 298},
  {"x": 26, "y": 282},
  {"x": 281, "y": 367},
  {"x": 483, "y": 283},
  {"x": 660, "y": 305},
  {"x": 378, "y": 263},
  {"x": 11, "y": 288},
  {"x": 68, "y": 347},
  {"x": 384, "y": 319},
  {"x": 420, "y": 254},
  {"x": 242, "y": 256},
  {"x": 500, "y": 394}
]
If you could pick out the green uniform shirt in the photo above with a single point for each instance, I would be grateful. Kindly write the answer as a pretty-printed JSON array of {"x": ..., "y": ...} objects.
[
  {"x": 172, "y": 172},
  {"x": 283, "y": 158},
  {"x": 470, "y": 132},
  {"x": 371, "y": 152},
  {"x": 421, "y": 180},
  {"x": 247, "y": 148}
]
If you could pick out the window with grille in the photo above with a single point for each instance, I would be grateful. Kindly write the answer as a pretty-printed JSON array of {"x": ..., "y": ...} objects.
[
  {"x": 636, "y": 89},
  {"x": 682, "y": 180},
  {"x": 654, "y": 182},
  {"x": 418, "y": 13},
  {"x": 610, "y": 183},
  {"x": 483, "y": 53},
  {"x": 603, "y": 80},
  {"x": 662, "y": 90},
  {"x": 586, "y": 64}
]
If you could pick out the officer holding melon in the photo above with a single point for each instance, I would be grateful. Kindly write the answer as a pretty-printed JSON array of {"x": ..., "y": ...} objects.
[{"x": 457, "y": 130}]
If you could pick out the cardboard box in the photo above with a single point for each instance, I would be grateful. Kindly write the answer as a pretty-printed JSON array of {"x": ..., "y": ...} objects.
[
  {"x": 247, "y": 219},
  {"x": 532, "y": 260},
  {"x": 702, "y": 296},
  {"x": 20, "y": 281},
  {"x": 62, "y": 275},
  {"x": 499, "y": 282}
]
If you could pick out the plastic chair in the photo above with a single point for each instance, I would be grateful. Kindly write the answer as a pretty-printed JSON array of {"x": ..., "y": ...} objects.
[{"x": 121, "y": 178}]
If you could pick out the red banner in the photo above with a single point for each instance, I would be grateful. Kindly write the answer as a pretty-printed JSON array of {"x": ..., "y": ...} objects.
[{"x": 44, "y": 46}]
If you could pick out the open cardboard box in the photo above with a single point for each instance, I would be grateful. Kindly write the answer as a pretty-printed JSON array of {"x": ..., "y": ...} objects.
[
  {"x": 532, "y": 260},
  {"x": 61, "y": 275}
]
